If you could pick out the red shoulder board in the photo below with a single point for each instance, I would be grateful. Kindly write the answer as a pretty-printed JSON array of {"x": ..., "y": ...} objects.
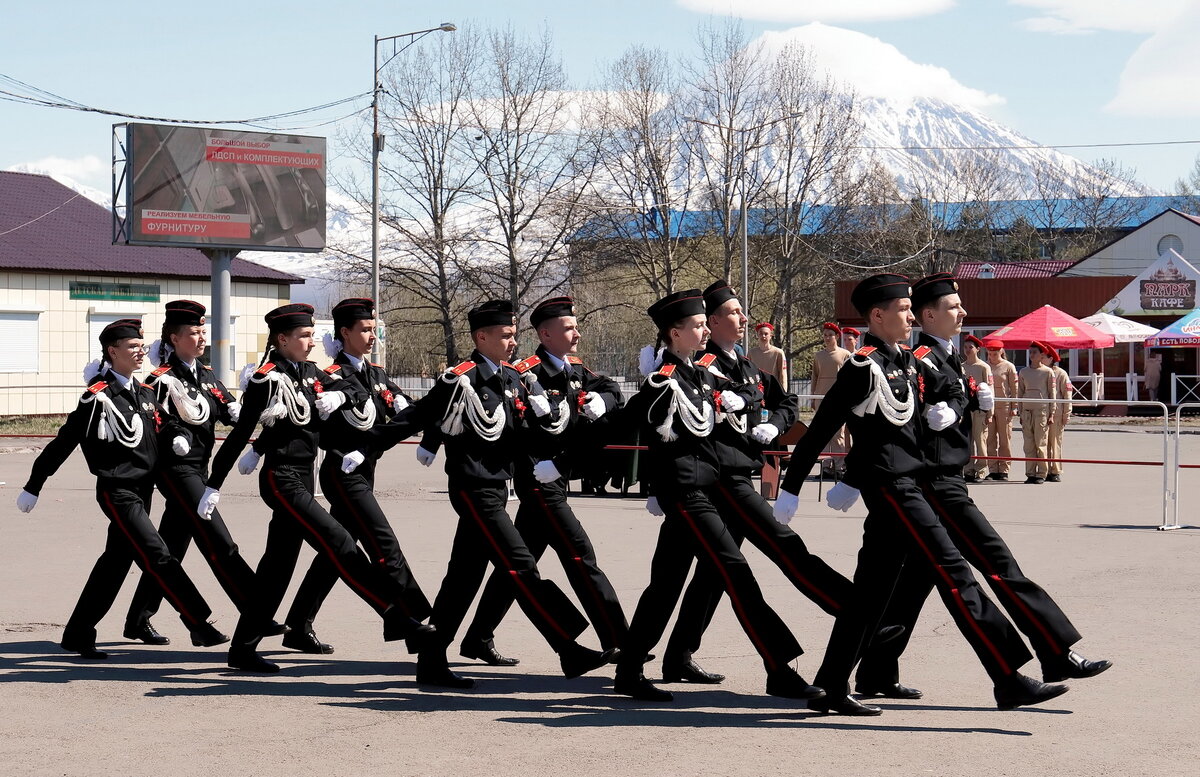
[
  {"x": 97, "y": 387},
  {"x": 208, "y": 368},
  {"x": 667, "y": 370},
  {"x": 333, "y": 368},
  {"x": 463, "y": 368},
  {"x": 146, "y": 385},
  {"x": 162, "y": 370},
  {"x": 525, "y": 365},
  {"x": 263, "y": 370},
  {"x": 866, "y": 350},
  {"x": 905, "y": 347},
  {"x": 707, "y": 359},
  {"x": 922, "y": 352},
  {"x": 373, "y": 364},
  {"x": 572, "y": 359}
]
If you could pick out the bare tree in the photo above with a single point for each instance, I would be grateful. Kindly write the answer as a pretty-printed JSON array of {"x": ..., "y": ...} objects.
[
  {"x": 1187, "y": 190},
  {"x": 1102, "y": 203}
]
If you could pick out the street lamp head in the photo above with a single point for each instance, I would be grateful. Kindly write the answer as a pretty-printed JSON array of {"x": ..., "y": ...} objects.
[{"x": 447, "y": 27}]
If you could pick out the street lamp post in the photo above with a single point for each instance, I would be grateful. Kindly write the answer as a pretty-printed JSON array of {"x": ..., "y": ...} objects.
[{"x": 377, "y": 147}]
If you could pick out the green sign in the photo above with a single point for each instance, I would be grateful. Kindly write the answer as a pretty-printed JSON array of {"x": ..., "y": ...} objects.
[{"x": 121, "y": 292}]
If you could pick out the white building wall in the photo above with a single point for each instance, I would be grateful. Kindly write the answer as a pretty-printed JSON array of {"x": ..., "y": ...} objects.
[{"x": 1139, "y": 249}]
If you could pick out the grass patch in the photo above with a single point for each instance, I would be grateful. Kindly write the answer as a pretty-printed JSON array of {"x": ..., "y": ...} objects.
[{"x": 31, "y": 424}]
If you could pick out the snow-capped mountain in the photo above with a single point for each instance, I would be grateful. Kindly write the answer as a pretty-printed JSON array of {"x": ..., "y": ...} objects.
[{"x": 90, "y": 192}]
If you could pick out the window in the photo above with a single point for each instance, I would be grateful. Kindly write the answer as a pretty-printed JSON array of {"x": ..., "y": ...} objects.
[
  {"x": 20, "y": 334},
  {"x": 1168, "y": 242}
]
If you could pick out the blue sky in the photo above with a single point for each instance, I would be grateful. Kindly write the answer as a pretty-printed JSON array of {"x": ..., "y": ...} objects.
[{"x": 1059, "y": 71}]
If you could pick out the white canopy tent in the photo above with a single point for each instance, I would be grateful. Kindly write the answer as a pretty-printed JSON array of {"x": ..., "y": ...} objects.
[{"x": 1123, "y": 331}]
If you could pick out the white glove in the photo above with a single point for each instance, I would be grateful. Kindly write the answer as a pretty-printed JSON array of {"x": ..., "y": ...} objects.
[
  {"x": 328, "y": 401},
  {"x": 546, "y": 472},
  {"x": 540, "y": 405},
  {"x": 594, "y": 407},
  {"x": 841, "y": 496},
  {"x": 785, "y": 507},
  {"x": 351, "y": 461},
  {"x": 731, "y": 402},
  {"x": 940, "y": 416},
  {"x": 425, "y": 457},
  {"x": 248, "y": 462},
  {"x": 26, "y": 501},
  {"x": 208, "y": 503},
  {"x": 764, "y": 433},
  {"x": 235, "y": 411},
  {"x": 653, "y": 508},
  {"x": 985, "y": 396},
  {"x": 181, "y": 445},
  {"x": 399, "y": 402}
]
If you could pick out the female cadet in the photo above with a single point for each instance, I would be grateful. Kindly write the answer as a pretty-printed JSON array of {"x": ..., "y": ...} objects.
[
  {"x": 680, "y": 403},
  {"x": 288, "y": 392},
  {"x": 191, "y": 392},
  {"x": 121, "y": 426}
]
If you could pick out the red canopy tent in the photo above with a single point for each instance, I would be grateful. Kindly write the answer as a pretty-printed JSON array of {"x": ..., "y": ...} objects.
[{"x": 1050, "y": 325}]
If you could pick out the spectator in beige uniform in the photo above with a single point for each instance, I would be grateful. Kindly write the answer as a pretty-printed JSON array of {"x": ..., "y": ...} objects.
[
  {"x": 977, "y": 370},
  {"x": 1060, "y": 414},
  {"x": 999, "y": 431},
  {"x": 850, "y": 338},
  {"x": 826, "y": 363},
  {"x": 767, "y": 357},
  {"x": 1153, "y": 374},
  {"x": 1036, "y": 381}
]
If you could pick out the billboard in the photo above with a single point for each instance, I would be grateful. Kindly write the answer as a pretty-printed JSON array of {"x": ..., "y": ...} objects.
[
  {"x": 1166, "y": 287},
  {"x": 214, "y": 188}
]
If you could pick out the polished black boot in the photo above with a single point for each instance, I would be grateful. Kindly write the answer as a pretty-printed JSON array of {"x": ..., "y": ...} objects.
[
  {"x": 247, "y": 659},
  {"x": 1017, "y": 690},
  {"x": 397, "y": 626},
  {"x": 686, "y": 670},
  {"x": 485, "y": 651},
  {"x": 84, "y": 646},
  {"x": 144, "y": 632},
  {"x": 433, "y": 669},
  {"x": 207, "y": 635},
  {"x": 577, "y": 660},
  {"x": 638, "y": 687},
  {"x": 306, "y": 642},
  {"x": 888, "y": 690},
  {"x": 788, "y": 684},
  {"x": 1072, "y": 666},
  {"x": 844, "y": 705},
  {"x": 275, "y": 629}
]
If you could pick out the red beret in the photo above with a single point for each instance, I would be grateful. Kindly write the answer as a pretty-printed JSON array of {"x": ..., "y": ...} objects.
[
  {"x": 973, "y": 339},
  {"x": 849, "y": 330},
  {"x": 763, "y": 325},
  {"x": 832, "y": 327},
  {"x": 993, "y": 344}
]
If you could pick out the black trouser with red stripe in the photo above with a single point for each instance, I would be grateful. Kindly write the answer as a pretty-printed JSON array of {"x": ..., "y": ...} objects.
[
  {"x": 486, "y": 533},
  {"x": 352, "y": 502},
  {"x": 545, "y": 519},
  {"x": 182, "y": 487},
  {"x": 691, "y": 528},
  {"x": 297, "y": 517},
  {"x": 1031, "y": 609},
  {"x": 132, "y": 540},
  {"x": 901, "y": 522},
  {"x": 748, "y": 515}
]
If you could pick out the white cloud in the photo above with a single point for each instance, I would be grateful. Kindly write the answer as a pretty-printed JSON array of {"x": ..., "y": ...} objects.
[
  {"x": 1162, "y": 76},
  {"x": 877, "y": 69},
  {"x": 1066, "y": 17},
  {"x": 791, "y": 11},
  {"x": 90, "y": 170}
]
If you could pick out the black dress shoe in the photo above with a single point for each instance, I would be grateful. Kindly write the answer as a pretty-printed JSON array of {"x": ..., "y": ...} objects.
[
  {"x": 787, "y": 684},
  {"x": 1072, "y": 666},
  {"x": 1019, "y": 691},
  {"x": 615, "y": 658},
  {"x": 306, "y": 642},
  {"x": 577, "y": 660},
  {"x": 1034, "y": 481},
  {"x": 144, "y": 632},
  {"x": 844, "y": 705},
  {"x": 85, "y": 649},
  {"x": 887, "y": 690},
  {"x": 972, "y": 478},
  {"x": 432, "y": 669},
  {"x": 486, "y": 652},
  {"x": 206, "y": 635},
  {"x": 275, "y": 629},
  {"x": 888, "y": 633},
  {"x": 641, "y": 689},
  {"x": 397, "y": 626},
  {"x": 1054, "y": 478},
  {"x": 248, "y": 660},
  {"x": 998, "y": 476},
  {"x": 689, "y": 671}
]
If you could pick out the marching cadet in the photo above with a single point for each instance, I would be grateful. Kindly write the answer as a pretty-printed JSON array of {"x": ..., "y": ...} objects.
[
  {"x": 826, "y": 363},
  {"x": 191, "y": 392},
  {"x": 881, "y": 392},
  {"x": 1060, "y": 415},
  {"x": 121, "y": 427},
  {"x": 1037, "y": 381},
  {"x": 768, "y": 358},
  {"x": 851, "y": 337},
  {"x": 680, "y": 403},
  {"x": 351, "y": 489},
  {"x": 999, "y": 429},
  {"x": 478, "y": 409},
  {"x": 545, "y": 518},
  {"x": 289, "y": 394},
  {"x": 1031, "y": 609},
  {"x": 977, "y": 369},
  {"x": 740, "y": 441}
]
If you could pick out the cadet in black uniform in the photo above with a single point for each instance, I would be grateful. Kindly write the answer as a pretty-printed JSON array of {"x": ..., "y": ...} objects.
[
  {"x": 544, "y": 517},
  {"x": 940, "y": 312},
  {"x": 681, "y": 403},
  {"x": 880, "y": 392},
  {"x": 191, "y": 392},
  {"x": 740, "y": 442},
  {"x": 288, "y": 393},
  {"x": 348, "y": 477},
  {"x": 477, "y": 409},
  {"x": 121, "y": 426}
]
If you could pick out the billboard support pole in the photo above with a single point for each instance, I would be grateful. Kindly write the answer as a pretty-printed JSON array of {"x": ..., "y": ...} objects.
[{"x": 222, "y": 357}]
